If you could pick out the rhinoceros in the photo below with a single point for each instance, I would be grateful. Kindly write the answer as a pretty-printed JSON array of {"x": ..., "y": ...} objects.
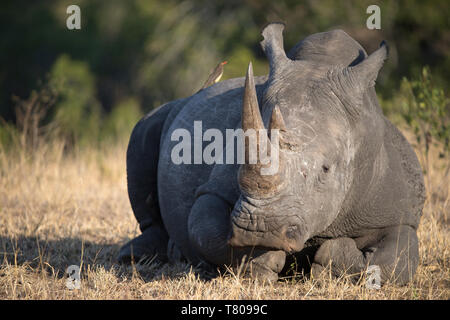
[{"x": 348, "y": 191}]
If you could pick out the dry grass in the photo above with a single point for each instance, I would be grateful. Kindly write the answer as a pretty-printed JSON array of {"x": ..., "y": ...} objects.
[{"x": 58, "y": 210}]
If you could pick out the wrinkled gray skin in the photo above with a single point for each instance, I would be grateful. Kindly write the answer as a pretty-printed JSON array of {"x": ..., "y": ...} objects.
[{"x": 349, "y": 191}]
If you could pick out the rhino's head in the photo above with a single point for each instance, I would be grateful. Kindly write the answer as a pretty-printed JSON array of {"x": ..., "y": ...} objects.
[{"x": 317, "y": 109}]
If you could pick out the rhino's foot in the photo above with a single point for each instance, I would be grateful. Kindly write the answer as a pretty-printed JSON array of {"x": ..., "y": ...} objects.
[
  {"x": 174, "y": 253},
  {"x": 264, "y": 267},
  {"x": 343, "y": 255},
  {"x": 150, "y": 245},
  {"x": 317, "y": 271},
  {"x": 206, "y": 271},
  {"x": 394, "y": 254}
]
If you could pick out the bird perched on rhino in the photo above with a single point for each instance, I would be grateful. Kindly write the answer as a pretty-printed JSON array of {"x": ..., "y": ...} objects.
[{"x": 215, "y": 76}]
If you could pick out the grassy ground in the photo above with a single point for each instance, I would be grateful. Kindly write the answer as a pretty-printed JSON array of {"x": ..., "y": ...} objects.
[{"x": 58, "y": 210}]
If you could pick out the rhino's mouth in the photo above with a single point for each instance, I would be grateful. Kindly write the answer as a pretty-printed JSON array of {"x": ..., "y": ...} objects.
[{"x": 270, "y": 232}]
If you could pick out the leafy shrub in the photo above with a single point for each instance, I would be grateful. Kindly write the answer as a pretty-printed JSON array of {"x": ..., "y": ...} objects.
[
  {"x": 8, "y": 134},
  {"x": 31, "y": 120},
  {"x": 121, "y": 120},
  {"x": 426, "y": 108},
  {"x": 77, "y": 111}
]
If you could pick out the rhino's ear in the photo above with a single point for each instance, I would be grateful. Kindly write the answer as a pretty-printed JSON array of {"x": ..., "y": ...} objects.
[
  {"x": 366, "y": 72},
  {"x": 273, "y": 48},
  {"x": 352, "y": 82}
]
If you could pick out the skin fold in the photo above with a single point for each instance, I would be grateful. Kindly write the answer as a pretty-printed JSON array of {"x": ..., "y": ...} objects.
[{"x": 348, "y": 192}]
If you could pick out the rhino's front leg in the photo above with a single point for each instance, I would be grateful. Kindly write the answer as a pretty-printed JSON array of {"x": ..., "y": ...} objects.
[
  {"x": 342, "y": 254},
  {"x": 209, "y": 227},
  {"x": 395, "y": 252}
]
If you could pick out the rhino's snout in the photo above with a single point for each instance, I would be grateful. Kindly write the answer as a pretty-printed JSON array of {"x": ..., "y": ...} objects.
[{"x": 287, "y": 238}]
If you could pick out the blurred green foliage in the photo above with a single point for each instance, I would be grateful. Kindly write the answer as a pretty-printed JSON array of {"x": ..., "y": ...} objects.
[
  {"x": 121, "y": 120},
  {"x": 77, "y": 112},
  {"x": 426, "y": 108},
  {"x": 131, "y": 56},
  {"x": 7, "y": 132}
]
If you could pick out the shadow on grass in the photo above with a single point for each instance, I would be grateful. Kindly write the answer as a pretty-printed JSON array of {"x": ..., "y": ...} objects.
[{"x": 55, "y": 256}]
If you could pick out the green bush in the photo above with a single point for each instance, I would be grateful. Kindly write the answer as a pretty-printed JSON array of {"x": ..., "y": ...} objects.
[
  {"x": 8, "y": 134},
  {"x": 65, "y": 107},
  {"x": 426, "y": 109},
  {"x": 77, "y": 113},
  {"x": 121, "y": 120}
]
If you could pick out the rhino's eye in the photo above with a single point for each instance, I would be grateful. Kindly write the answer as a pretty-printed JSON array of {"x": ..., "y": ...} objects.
[{"x": 325, "y": 168}]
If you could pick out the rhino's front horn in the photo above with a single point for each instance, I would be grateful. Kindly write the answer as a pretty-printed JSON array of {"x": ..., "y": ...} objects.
[
  {"x": 262, "y": 173},
  {"x": 251, "y": 117}
]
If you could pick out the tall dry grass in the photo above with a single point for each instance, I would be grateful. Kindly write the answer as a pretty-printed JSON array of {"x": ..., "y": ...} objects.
[{"x": 59, "y": 209}]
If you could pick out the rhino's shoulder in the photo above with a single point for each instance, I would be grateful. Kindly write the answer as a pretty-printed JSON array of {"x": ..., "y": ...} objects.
[
  {"x": 331, "y": 47},
  {"x": 409, "y": 165}
]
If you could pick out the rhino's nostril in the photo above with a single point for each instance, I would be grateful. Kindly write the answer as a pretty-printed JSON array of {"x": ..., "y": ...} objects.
[{"x": 291, "y": 232}]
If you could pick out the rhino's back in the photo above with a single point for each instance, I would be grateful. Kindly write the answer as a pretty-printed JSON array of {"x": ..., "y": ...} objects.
[{"x": 216, "y": 107}]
